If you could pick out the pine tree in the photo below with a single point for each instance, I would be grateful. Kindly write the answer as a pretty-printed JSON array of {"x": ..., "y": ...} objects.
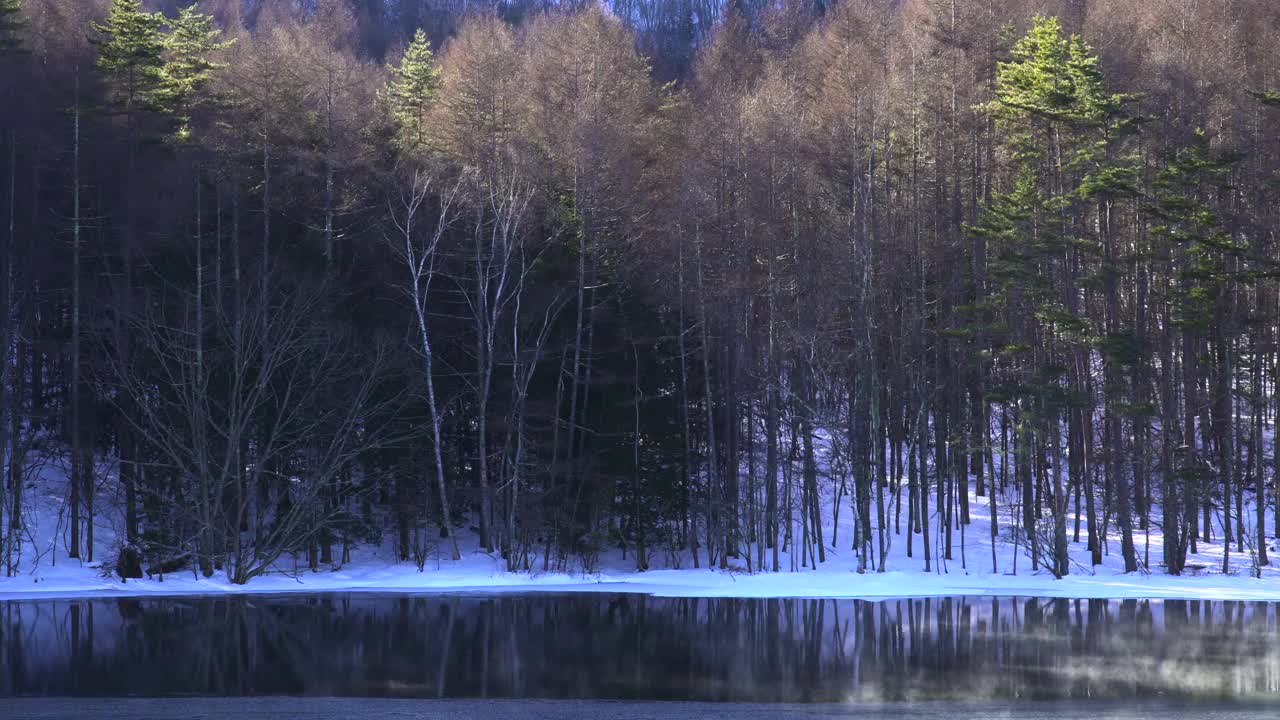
[
  {"x": 131, "y": 59},
  {"x": 1061, "y": 127},
  {"x": 131, "y": 55},
  {"x": 1200, "y": 251},
  {"x": 410, "y": 93},
  {"x": 189, "y": 47}
]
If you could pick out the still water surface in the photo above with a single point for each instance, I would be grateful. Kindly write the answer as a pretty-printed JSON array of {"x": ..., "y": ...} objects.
[{"x": 634, "y": 647}]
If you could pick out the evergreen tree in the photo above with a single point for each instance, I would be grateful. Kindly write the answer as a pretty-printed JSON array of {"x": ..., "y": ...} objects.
[
  {"x": 131, "y": 55},
  {"x": 410, "y": 93},
  {"x": 1186, "y": 218},
  {"x": 189, "y": 47},
  {"x": 1060, "y": 125},
  {"x": 1202, "y": 257}
]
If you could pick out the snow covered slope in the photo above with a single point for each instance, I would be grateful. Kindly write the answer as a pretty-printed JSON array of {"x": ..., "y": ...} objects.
[{"x": 46, "y": 572}]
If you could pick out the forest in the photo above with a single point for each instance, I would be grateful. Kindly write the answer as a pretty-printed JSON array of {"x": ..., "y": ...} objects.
[{"x": 680, "y": 278}]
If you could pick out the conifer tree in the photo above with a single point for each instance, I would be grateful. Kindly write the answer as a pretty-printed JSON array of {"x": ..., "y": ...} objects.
[
  {"x": 131, "y": 55},
  {"x": 410, "y": 92},
  {"x": 131, "y": 58},
  {"x": 1199, "y": 250},
  {"x": 189, "y": 66},
  {"x": 1059, "y": 124}
]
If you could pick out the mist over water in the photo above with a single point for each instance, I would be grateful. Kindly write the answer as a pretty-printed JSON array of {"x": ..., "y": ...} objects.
[{"x": 634, "y": 647}]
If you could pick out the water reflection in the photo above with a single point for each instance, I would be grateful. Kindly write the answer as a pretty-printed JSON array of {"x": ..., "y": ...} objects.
[{"x": 637, "y": 647}]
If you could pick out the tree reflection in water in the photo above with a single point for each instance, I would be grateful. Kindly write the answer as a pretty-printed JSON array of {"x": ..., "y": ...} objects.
[{"x": 638, "y": 647}]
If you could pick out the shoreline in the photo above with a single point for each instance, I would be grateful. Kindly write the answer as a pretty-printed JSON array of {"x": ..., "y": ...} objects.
[{"x": 825, "y": 583}]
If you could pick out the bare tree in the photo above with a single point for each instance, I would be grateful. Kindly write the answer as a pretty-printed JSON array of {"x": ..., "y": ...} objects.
[
  {"x": 267, "y": 378},
  {"x": 420, "y": 211}
]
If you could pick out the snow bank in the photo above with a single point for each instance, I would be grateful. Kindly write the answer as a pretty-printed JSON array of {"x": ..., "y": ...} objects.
[
  {"x": 374, "y": 569},
  {"x": 46, "y": 572}
]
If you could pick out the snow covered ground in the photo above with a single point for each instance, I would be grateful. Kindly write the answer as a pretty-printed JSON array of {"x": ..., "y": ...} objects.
[
  {"x": 46, "y": 572},
  {"x": 479, "y": 573}
]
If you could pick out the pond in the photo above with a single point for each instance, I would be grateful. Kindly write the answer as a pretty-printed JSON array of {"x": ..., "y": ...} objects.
[{"x": 640, "y": 648}]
